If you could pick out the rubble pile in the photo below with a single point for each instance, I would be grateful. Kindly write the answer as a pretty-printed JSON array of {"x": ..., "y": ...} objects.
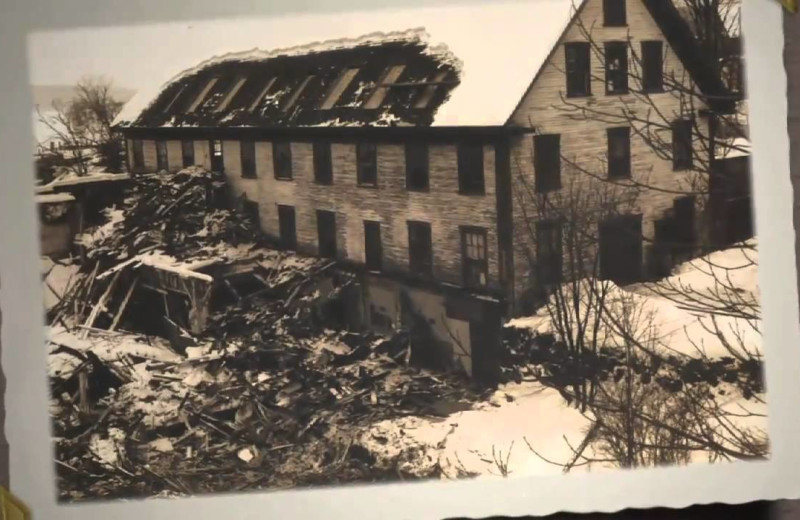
[{"x": 276, "y": 390}]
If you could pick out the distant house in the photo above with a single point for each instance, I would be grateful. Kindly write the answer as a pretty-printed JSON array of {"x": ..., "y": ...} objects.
[{"x": 409, "y": 154}]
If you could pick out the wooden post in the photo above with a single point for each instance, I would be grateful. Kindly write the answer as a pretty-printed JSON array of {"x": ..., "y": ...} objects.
[{"x": 124, "y": 304}]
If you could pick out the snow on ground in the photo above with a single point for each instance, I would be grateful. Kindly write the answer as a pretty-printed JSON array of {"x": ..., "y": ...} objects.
[{"x": 463, "y": 442}]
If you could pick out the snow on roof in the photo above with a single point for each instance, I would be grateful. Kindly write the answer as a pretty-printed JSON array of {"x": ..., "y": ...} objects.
[
  {"x": 498, "y": 47},
  {"x": 54, "y": 198},
  {"x": 71, "y": 179}
]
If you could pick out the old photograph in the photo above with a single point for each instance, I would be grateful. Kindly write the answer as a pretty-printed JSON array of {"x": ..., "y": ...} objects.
[{"x": 485, "y": 239}]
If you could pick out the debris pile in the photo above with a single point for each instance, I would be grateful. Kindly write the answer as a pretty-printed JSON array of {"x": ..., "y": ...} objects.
[{"x": 189, "y": 357}]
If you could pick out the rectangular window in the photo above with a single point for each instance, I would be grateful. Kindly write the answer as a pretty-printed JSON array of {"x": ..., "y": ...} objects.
[
  {"x": 652, "y": 66},
  {"x": 187, "y": 153},
  {"x": 326, "y": 233},
  {"x": 231, "y": 94},
  {"x": 416, "y": 166},
  {"x": 337, "y": 88},
  {"x": 391, "y": 75},
  {"x": 367, "y": 164},
  {"x": 549, "y": 252},
  {"x": 162, "y": 164},
  {"x": 420, "y": 248},
  {"x": 288, "y": 228},
  {"x": 202, "y": 95},
  {"x": 682, "y": 156},
  {"x": 247, "y": 153},
  {"x": 614, "y": 13},
  {"x": 263, "y": 92},
  {"x": 579, "y": 80},
  {"x": 616, "y": 68},
  {"x": 547, "y": 162},
  {"x": 282, "y": 159},
  {"x": 323, "y": 165},
  {"x": 217, "y": 160},
  {"x": 373, "y": 249},
  {"x": 619, "y": 153},
  {"x": 252, "y": 211},
  {"x": 298, "y": 91},
  {"x": 474, "y": 256},
  {"x": 470, "y": 169},
  {"x": 138, "y": 154}
]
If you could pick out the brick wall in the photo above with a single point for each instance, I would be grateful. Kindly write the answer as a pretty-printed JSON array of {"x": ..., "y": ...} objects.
[{"x": 584, "y": 140}]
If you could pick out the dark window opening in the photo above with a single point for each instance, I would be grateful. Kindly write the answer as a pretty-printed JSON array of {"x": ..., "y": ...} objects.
[
  {"x": 621, "y": 249},
  {"x": 652, "y": 66},
  {"x": 282, "y": 160},
  {"x": 367, "y": 164},
  {"x": 420, "y": 248},
  {"x": 614, "y": 14},
  {"x": 373, "y": 249},
  {"x": 416, "y": 166},
  {"x": 547, "y": 162},
  {"x": 138, "y": 154},
  {"x": 579, "y": 80},
  {"x": 248, "y": 158},
  {"x": 682, "y": 156},
  {"x": 187, "y": 153},
  {"x": 619, "y": 153},
  {"x": 288, "y": 229},
  {"x": 474, "y": 257},
  {"x": 323, "y": 165},
  {"x": 162, "y": 164},
  {"x": 326, "y": 233},
  {"x": 549, "y": 252},
  {"x": 616, "y": 68},
  {"x": 217, "y": 161},
  {"x": 250, "y": 208},
  {"x": 470, "y": 169}
]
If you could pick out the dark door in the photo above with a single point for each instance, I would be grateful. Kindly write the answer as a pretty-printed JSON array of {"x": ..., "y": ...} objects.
[
  {"x": 621, "y": 249},
  {"x": 288, "y": 229},
  {"x": 326, "y": 233},
  {"x": 215, "y": 149}
]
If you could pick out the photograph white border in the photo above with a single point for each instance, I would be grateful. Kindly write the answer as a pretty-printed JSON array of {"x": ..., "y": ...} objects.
[{"x": 24, "y": 362}]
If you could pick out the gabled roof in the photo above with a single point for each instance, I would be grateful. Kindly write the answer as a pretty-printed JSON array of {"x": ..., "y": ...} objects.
[{"x": 489, "y": 50}]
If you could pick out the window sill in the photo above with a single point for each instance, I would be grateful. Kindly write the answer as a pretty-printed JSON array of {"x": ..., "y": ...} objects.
[
  {"x": 368, "y": 186},
  {"x": 620, "y": 93},
  {"x": 284, "y": 179}
]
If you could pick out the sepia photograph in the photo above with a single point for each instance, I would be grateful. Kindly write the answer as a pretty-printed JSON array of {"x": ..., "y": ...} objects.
[{"x": 482, "y": 239}]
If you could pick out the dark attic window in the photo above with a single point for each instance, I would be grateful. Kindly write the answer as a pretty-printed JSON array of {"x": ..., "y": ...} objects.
[
  {"x": 653, "y": 66},
  {"x": 323, "y": 165},
  {"x": 247, "y": 151},
  {"x": 217, "y": 159},
  {"x": 619, "y": 153},
  {"x": 616, "y": 68},
  {"x": 547, "y": 162},
  {"x": 579, "y": 79},
  {"x": 470, "y": 168},
  {"x": 162, "y": 164},
  {"x": 614, "y": 14},
  {"x": 187, "y": 153},
  {"x": 282, "y": 160},
  {"x": 367, "y": 164},
  {"x": 417, "y": 166}
]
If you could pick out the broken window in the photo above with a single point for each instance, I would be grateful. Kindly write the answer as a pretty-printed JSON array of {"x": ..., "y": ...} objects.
[
  {"x": 288, "y": 229},
  {"x": 614, "y": 13},
  {"x": 187, "y": 153},
  {"x": 326, "y": 233},
  {"x": 367, "y": 164},
  {"x": 579, "y": 79},
  {"x": 263, "y": 92},
  {"x": 549, "y": 252},
  {"x": 391, "y": 75},
  {"x": 470, "y": 168},
  {"x": 619, "y": 152},
  {"x": 616, "y": 67},
  {"x": 337, "y": 88},
  {"x": 217, "y": 160},
  {"x": 682, "y": 144},
  {"x": 247, "y": 152},
  {"x": 323, "y": 165},
  {"x": 231, "y": 94},
  {"x": 429, "y": 91},
  {"x": 162, "y": 164},
  {"x": 138, "y": 154},
  {"x": 373, "y": 249},
  {"x": 652, "y": 66},
  {"x": 298, "y": 91},
  {"x": 202, "y": 95},
  {"x": 547, "y": 162},
  {"x": 420, "y": 248},
  {"x": 416, "y": 166},
  {"x": 474, "y": 257},
  {"x": 282, "y": 159}
]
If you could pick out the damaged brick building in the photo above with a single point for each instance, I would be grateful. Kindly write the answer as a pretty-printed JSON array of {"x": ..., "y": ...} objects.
[{"x": 402, "y": 154}]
